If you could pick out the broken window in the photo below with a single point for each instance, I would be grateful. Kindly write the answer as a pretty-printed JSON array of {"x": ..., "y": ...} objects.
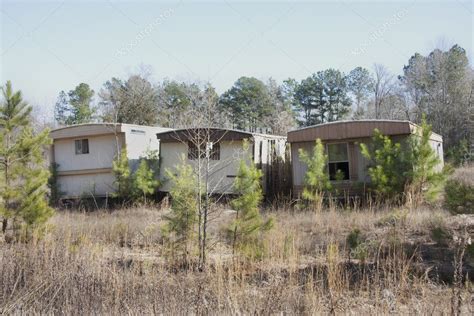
[
  {"x": 338, "y": 164},
  {"x": 213, "y": 148}
]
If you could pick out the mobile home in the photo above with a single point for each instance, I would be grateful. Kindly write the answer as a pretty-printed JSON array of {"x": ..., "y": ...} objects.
[
  {"x": 225, "y": 148},
  {"x": 84, "y": 154},
  {"x": 342, "y": 140}
]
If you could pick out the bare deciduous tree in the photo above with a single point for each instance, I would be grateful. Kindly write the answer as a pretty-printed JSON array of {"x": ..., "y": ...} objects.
[{"x": 382, "y": 87}]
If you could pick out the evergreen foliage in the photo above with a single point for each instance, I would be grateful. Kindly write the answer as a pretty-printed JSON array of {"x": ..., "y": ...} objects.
[
  {"x": 179, "y": 229},
  {"x": 459, "y": 196},
  {"x": 24, "y": 181},
  {"x": 248, "y": 103},
  {"x": 248, "y": 225},
  {"x": 412, "y": 168},
  {"x": 426, "y": 180},
  {"x": 75, "y": 107},
  {"x": 317, "y": 178},
  {"x": 322, "y": 97},
  {"x": 145, "y": 181},
  {"x": 135, "y": 186},
  {"x": 54, "y": 191},
  {"x": 387, "y": 165},
  {"x": 123, "y": 176}
]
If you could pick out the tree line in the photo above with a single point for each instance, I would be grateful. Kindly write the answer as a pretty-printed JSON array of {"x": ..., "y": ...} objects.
[{"x": 440, "y": 84}]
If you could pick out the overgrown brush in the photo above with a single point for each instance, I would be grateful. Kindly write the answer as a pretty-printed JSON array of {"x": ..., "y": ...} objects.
[{"x": 114, "y": 263}]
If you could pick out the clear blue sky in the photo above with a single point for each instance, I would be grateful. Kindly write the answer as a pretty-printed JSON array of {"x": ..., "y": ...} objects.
[{"x": 51, "y": 46}]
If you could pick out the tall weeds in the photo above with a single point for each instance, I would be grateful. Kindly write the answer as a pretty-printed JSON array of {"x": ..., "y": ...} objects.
[{"x": 114, "y": 263}]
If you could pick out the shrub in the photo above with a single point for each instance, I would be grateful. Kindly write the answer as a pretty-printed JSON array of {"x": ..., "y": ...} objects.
[
  {"x": 122, "y": 173},
  {"x": 439, "y": 232},
  {"x": 411, "y": 169},
  {"x": 248, "y": 226},
  {"x": 316, "y": 179},
  {"x": 358, "y": 248},
  {"x": 459, "y": 197},
  {"x": 180, "y": 223},
  {"x": 460, "y": 153},
  {"x": 135, "y": 187},
  {"x": 425, "y": 180},
  {"x": 387, "y": 165},
  {"x": 394, "y": 218},
  {"x": 354, "y": 238},
  {"x": 459, "y": 191}
]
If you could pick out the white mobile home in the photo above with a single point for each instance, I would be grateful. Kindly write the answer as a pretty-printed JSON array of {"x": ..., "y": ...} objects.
[
  {"x": 226, "y": 148},
  {"x": 84, "y": 154}
]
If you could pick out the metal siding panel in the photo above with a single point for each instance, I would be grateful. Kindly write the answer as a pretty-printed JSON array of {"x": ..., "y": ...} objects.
[
  {"x": 353, "y": 162},
  {"x": 353, "y": 130}
]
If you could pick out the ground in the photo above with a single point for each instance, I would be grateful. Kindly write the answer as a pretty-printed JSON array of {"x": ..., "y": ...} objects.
[{"x": 114, "y": 262}]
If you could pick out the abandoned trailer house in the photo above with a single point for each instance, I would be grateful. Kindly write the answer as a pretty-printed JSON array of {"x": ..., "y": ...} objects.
[
  {"x": 225, "y": 148},
  {"x": 342, "y": 141},
  {"x": 84, "y": 154}
]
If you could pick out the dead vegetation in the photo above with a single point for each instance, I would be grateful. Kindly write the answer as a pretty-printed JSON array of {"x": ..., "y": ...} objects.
[{"x": 395, "y": 260}]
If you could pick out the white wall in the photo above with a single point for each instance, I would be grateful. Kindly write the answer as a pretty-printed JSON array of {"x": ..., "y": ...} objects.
[
  {"x": 102, "y": 150},
  {"x": 140, "y": 138},
  {"x": 438, "y": 149},
  {"x": 84, "y": 185},
  {"x": 223, "y": 171}
]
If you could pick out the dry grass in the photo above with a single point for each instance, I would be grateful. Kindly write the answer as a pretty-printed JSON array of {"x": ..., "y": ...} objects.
[
  {"x": 102, "y": 262},
  {"x": 464, "y": 174}
]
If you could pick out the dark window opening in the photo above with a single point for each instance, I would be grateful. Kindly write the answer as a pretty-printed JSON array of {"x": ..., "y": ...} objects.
[
  {"x": 339, "y": 171},
  {"x": 338, "y": 163},
  {"x": 82, "y": 146},
  {"x": 137, "y": 131},
  {"x": 194, "y": 153}
]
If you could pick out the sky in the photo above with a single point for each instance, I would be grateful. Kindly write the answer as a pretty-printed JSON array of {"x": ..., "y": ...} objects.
[{"x": 49, "y": 46}]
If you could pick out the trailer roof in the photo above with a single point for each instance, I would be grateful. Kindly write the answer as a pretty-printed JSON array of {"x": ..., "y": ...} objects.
[
  {"x": 340, "y": 130},
  {"x": 94, "y": 129},
  {"x": 214, "y": 134}
]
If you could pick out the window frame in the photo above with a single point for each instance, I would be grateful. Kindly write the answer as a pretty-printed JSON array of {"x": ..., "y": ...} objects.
[
  {"x": 81, "y": 142},
  {"x": 215, "y": 154},
  {"x": 339, "y": 161}
]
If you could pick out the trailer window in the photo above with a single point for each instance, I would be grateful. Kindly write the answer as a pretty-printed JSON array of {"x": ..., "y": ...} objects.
[
  {"x": 82, "y": 146},
  {"x": 194, "y": 153},
  {"x": 338, "y": 164}
]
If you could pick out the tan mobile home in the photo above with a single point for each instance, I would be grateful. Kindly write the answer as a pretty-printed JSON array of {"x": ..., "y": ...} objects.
[
  {"x": 225, "y": 147},
  {"x": 342, "y": 141},
  {"x": 84, "y": 154}
]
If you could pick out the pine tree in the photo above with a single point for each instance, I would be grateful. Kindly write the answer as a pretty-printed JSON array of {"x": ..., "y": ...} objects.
[
  {"x": 24, "y": 180},
  {"x": 123, "y": 176},
  {"x": 75, "y": 107},
  {"x": 144, "y": 180},
  {"x": 180, "y": 224},
  {"x": 426, "y": 179},
  {"x": 248, "y": 225},
  {"x": 387, "y": 166},
  {"x": 53, "y": 185},
  {"x": 316, "y": 178}
]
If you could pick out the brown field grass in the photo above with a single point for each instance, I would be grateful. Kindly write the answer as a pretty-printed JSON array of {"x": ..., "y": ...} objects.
[{"x": 114, "y": 262}]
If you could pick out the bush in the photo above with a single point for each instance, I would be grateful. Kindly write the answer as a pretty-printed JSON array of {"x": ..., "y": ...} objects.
[
  {"x": 354, "y": 238},
  {"x": 394, "y": 218},
  {"x": 459, "y": 191},
  {"x": 358, "y": 248},
  {"x": 439, "y": 231},
  {"x": 317, "y": 178}
]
